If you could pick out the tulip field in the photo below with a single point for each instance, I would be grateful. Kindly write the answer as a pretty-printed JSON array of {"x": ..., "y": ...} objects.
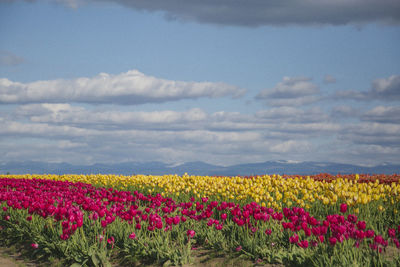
[{"x": 113, "y": 220}]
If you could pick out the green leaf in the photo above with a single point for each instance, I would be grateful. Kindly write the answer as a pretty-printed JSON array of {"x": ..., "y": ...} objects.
[
  {"x": 167, "y": 263},
  {"x": 95, "y": 259}
]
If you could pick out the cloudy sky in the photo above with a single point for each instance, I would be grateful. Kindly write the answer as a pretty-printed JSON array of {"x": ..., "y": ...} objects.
[{"x": 224, "y": 82}]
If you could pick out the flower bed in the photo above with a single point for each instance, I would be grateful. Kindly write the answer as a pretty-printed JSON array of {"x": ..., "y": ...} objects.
[{"x": 80, "y": 223}]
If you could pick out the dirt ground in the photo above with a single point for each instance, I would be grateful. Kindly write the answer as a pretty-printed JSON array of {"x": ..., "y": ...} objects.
[
  {"x": 10, "y": 258},
  {"x": 6, "y": 262}
]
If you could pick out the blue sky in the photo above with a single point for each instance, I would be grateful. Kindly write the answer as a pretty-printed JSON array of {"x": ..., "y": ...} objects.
[{"x": 85, "y": 81}]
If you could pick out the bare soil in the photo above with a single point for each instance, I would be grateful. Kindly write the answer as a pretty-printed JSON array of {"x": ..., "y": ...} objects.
[{"x": 10, "y": 257}]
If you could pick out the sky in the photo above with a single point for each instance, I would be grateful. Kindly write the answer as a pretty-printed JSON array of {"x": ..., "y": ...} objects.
[{"x": 223, "y": 82}]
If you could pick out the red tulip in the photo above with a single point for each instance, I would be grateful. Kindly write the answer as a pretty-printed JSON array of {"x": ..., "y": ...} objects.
[
  {"x": 332, "y": 241},
  {"x": 190, "y": 233},
  {"x": 132, "y": 235},
  {"x": 343, "y": 207},
  {"x": 361, "y": 225},
  {"x": 303, "y": 244},
  {"x": 392, "y": 232},
  {"x": 294, "y": 239},
  {"x": 224, "y": 216}
]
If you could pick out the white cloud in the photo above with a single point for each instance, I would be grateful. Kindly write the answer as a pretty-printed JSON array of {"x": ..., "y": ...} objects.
[
  {"x": 50, "y": 151},
  {"x": 371, "y": 151},
  {"x": 283, "y": 120},
  {"x": 345, "y": 151},
  {"x": 66, "y": 114},
  {"x": 79, "y": 133},
  {"x": 291, "y": 146},
  {"x": 129, "y": 88},
  {"x": 387, "y": 89},
  {"x": 291, "y": 87},
  {"x": 372, "y": 133},
  {"x": 292, "y": 91},
  {"x": 344, "y": 111},
  {"x": 310, "y": 128},
  {"x": 43, "y": 130},
  {"x": 350, "y": 94},
  {"x": 114, "y": 135},
  {"x": 299, "y": 101},
  {"x": 292, "y": 114},
  {"x": 383, "y": 114},
  {"x": 66, "y": 132}
]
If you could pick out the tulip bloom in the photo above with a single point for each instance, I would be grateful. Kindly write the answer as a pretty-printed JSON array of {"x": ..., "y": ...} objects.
[
  {"x": 332, "y": 241},
  {"x": 294, "y": 239},
  {"x": 224, "y": 216},
  {"x": 132, "y": 236},
  {"x": 343, "y": 207},
  {"x": 361, "y": 225},
  {"x": 392, "y": 232},
  {"x": 303, "y": 244},
  {"x": 190, "y": 233},
  {"x": 111, "y": 241}
]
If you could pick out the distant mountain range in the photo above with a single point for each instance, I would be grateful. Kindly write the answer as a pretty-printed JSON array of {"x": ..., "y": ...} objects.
[{"x": 196, "y": 168}]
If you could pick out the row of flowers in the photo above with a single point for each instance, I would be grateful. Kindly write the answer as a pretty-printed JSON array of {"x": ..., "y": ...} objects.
[
  {"x": 71, "y": 204},
  {"x": 271, "y": 191}
]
